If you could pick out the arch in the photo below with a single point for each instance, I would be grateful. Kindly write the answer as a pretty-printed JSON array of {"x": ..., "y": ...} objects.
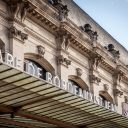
[
  {"x": 2, "y": 46},
  {"x": 79, "y": 81},
  {"x": 106, "y": 95},
  {"x": 41, "y": 61}
]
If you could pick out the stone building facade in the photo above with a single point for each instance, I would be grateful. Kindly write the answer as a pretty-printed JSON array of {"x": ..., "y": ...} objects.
[{"x": 58, "y": 37}]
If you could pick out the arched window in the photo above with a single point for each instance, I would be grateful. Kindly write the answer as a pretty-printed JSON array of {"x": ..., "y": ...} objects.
[
  {"x": 76, "y": 84},
  {"x": 105, "y": 97},
  {"x": 103, "y": 100},
  {"x": 40, "y": 61},
  {"x": 34, "y": 68}
]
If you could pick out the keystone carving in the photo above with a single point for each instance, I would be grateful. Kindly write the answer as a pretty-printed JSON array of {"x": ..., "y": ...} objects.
[
  {"x": 92, "y": 34},
  {"x": 41, "y": 50},
  {"x": 126, "y": 99},
  {"x": 94, "y": 79},
  {"x": 13, "y": 32},
  {"x": 18, "y": 8},
  {"x": 79, "y": 72},
  {"x": 63, "y": 9},
  {"x": 64, "y": 61},
  {"x": 106, "y": 87},
  {"x": 117, "y": 92}
]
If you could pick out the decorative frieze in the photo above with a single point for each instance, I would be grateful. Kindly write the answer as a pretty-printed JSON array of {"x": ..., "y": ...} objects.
[
  {"x": 62, "y": 60},
  {"x": 41, "y": 50},
  {"x": 14, "y": 32}
]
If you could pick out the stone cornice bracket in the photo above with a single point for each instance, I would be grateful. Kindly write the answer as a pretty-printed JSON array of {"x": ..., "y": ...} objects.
[
  {"x": 94, "y": 60},
  {"x": 14, "y": 32},
  {"x": 64, "y": 39},
  {"x": 41, "y": 50},
  {"x": 18, "y": 9},
  {"x": 117, "y": 76},
  {"x": 64, "y": 61},
  {"x": 95, "y": 79},
  {"x": 117, "y": 92},
  {"x": 62, "y": 9}
]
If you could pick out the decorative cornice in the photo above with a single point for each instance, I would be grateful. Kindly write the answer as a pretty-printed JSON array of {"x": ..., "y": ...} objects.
[{"x": 78, "y": 39}]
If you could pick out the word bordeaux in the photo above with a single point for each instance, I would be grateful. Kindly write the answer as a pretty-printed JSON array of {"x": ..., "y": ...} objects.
[{"x": 56, "y": 81}]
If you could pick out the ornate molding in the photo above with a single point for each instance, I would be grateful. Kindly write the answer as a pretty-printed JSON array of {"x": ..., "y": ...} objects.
[
  {"x": 77, "y": 41},
  {"x": 14, "y": 32},
  {"x": 64, "y": 61}
]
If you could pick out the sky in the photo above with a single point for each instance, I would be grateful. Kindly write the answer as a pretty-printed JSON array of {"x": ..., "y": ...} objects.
[{"x": 112, "y": 15}]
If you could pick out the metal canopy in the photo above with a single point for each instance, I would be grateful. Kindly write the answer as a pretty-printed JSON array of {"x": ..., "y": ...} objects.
[{"x": 24, "y": 93}]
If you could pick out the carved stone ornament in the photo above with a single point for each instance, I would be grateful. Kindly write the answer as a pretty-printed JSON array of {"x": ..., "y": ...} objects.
[
  {"x": 126, "y": 99},
  {"x": 117, "y": 92},
  {"x": 106, "y": 87},
  {"x": 117, "y": 76},
  {"x": 41, "y": 50},
  {"x": 94, "y": 79},
  {"x": 92, "y": 34},
  {"x": 94, "y": 61},
  {"x": 62, "y": 60},
  {"x": 112, "y": 50},
  {"x": 18, "y": 8},
  {"x": 14, "y": 32},
  {"x": 63, "y": 9},
  {"x": 79, "y": 72},
  {"x": 64, "y": 39}
]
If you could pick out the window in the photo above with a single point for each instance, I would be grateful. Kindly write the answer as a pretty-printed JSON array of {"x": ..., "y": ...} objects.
[
  {"x": 103, "y": 100},
  {"x": 106, "y": 98},
  {"x": 34, "y": 69},
  {"x": 77, "y": 86}
]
